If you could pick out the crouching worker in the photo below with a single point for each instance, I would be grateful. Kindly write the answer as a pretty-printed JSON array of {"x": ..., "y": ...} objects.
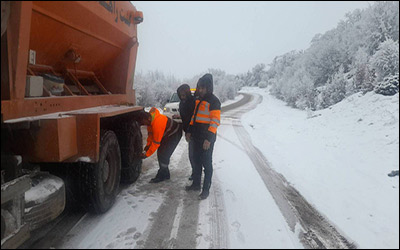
[{"x": 164, "y": 135}]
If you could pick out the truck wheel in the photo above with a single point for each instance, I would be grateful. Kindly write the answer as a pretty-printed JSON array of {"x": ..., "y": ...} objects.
[
  {"x": 130, "y": 139},
  {"x": 45, "y": 201},
  {"x": 3, "y": 225},
  {"x": 100, "y": 183}
]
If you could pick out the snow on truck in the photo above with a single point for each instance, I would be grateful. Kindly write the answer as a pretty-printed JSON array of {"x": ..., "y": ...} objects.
[{"x": 67, "y": 109}]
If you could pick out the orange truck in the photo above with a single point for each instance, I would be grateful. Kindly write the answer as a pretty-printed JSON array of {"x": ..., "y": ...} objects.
[{"x": 68, "y": 109}]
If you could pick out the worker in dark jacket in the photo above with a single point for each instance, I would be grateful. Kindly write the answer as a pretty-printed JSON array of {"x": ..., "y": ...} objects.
[
  {"x": 186, "y": 109},
  {"x": 164, "y": 135},
  {"x": 203, "y": 132}
]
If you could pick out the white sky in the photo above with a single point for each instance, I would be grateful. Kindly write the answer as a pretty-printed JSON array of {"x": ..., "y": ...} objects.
[{"x": 187, "y": 38}]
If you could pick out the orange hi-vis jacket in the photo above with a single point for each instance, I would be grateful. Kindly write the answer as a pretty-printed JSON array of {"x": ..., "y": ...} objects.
[
  {"x": 206, "y": 118},
  {"x": 160, "y": 127}
]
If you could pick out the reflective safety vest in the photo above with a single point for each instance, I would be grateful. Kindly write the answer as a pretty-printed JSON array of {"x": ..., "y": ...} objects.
[
  {"x": 161, "y": 126},
  {"x": 208, "y": 114}
]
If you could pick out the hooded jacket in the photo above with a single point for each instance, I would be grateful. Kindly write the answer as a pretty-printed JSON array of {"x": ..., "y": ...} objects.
[
  {"x": 161, "y": 126},
  {"x": 186, "y": 108},
  {"x": 206, "y": 117}
]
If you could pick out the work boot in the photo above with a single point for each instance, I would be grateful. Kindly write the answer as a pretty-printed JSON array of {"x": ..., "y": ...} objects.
[
  {"x": 193, "y": 188},
  {"x": 157, "y": 179},
  {"x": 204, "y": 194},
  {"x": 162, "y": 175}
]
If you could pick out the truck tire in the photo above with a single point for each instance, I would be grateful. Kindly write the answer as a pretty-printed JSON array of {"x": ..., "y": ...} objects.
[
  {"x": 131, "y": 143},
  {"x": 100, "y": 181},
  {"x": 3, "y": 226},
  {"x": 48, "y": 202}
]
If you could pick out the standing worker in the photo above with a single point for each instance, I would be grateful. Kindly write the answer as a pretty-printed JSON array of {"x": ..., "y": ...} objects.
[
  {"x": 186, "y": 109},
  {"x": 203, "y": 132},
  {"x": 164, "y": 134}
]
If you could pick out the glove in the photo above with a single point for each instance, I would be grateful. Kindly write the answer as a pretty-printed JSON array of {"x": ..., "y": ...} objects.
[
  {"x": 143, "y": 155},
  {"x": 206, "y": 145},
  {"x": 188, "y": 136}
]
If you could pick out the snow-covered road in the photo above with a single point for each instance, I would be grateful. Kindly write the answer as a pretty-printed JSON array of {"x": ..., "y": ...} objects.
[
  {"x": 256, "y": 200},
  {"x": 164, "y": 215}
]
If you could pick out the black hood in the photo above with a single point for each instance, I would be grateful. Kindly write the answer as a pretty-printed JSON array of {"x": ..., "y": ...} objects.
[
  {"x": 206, "y": 81},
  {"x": 185, "y": 88}
]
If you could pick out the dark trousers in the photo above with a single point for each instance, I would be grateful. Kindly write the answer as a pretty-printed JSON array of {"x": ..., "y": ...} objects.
[
  {"x": 202, "y": 159},
  {"x": 191, "y": 154},
  {"x": 167, "y": 147}
]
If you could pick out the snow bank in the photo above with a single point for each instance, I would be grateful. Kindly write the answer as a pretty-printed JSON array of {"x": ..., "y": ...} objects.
[{"x": 338, "y": 158}]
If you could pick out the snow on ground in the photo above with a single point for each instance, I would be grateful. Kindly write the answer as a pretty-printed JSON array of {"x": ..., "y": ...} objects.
[
  {"x": 120, "y": 227},
  {"x": 253, "y": 218},
  {"x": 236, "y": 99},
  {"x": 338, "y": 159},
  {"x": 239, "y": 213}
]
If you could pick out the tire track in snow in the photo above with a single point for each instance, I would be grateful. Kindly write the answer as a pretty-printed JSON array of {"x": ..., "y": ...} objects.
[
  {"x": 175, "y": 210},
  {"x": 316, "y": 231},
  {"x": 219, "y": 223},
  {"x": 175, "y": 224}
]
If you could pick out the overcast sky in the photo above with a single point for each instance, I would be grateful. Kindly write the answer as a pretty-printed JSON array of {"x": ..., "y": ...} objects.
[{"x": 187, "y": 38}]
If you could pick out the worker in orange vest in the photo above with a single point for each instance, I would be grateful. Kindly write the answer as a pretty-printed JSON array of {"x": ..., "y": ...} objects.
[
  {"x": 164, "y": 135},
  {"x": 203, "y": 131}
]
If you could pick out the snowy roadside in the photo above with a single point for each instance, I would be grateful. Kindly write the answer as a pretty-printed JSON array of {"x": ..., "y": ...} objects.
[
  {"x": 253, "y": 219},
  {"x": 338, "y": 159},
  {"x": 236, "y": 99}
]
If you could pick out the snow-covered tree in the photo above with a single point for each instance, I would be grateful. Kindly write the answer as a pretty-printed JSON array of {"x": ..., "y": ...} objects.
[
  {"x": 154, "y": 88},
  {"x": 225, "y": 86},
  {"x": 362, "y": 72},
  {"x": 305, "y": 90},
  {"x": 258, "y": 73},
  {"x": 389, "y": 85},
  {"x": 386, "y": 59},
  {"x": 144, "y": 91},
  {"x": 355, "y": 56},
  {"x": 334, "y": 91},
  {"x": 280, "y": 63},
  {"x": 381, "y": 23},
  {"x": 324, "y": 57}
]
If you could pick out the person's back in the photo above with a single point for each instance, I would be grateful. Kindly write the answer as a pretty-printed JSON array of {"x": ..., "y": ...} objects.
[{"x": 186, "y": 105}]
